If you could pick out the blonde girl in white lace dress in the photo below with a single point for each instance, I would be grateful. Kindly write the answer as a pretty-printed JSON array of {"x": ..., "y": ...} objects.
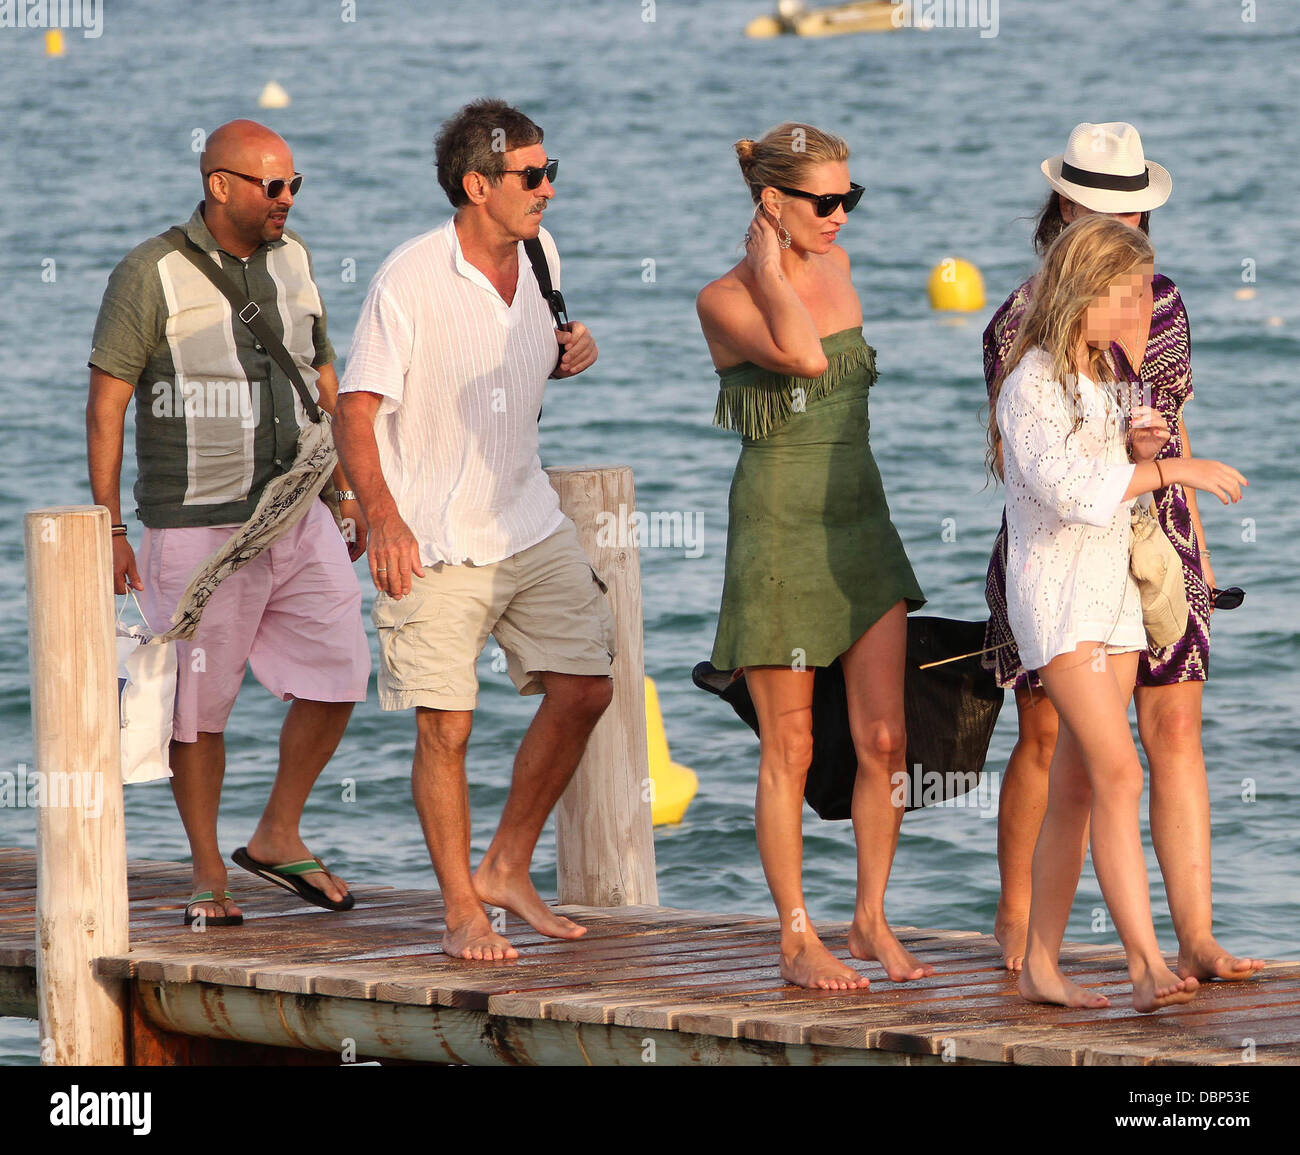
[{"x": 1073, "y": 462}]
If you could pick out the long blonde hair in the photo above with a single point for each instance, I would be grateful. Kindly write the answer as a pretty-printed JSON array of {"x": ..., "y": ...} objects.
[
  {"x": 783, "y": 154},
  {"x": 1079, "y": 267}
]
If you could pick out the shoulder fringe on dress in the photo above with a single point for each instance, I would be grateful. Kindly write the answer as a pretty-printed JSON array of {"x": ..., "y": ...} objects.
[{"x": 759, "y": 401}]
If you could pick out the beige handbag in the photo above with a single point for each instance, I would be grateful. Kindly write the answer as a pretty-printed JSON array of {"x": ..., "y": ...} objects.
[{"x": 1158, "y": 571}]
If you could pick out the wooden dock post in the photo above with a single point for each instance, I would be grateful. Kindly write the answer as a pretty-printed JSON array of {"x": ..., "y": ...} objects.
[
  {"x": 603, "y": 834},
  {"x": 81, "y": 900}
]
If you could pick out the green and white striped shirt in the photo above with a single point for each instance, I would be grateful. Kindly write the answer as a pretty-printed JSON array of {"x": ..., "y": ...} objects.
[{"x": 216, "y": 417}]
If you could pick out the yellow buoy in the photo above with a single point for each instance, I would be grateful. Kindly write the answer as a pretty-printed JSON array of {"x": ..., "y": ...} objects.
[
  {"x": 54, "y": 42},
  {"x": 956, "y": 285},
  {"x": 674, "y": 785}
]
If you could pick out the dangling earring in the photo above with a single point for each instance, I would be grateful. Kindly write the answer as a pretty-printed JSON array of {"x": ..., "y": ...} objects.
[{"x": 783, "y": 237}]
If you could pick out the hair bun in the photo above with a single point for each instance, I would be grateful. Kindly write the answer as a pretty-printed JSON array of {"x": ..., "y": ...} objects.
[{"x": 745, "y": 151}]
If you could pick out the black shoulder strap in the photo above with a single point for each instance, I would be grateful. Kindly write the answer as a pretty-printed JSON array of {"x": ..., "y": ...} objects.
[
  {"x": 542, "y": 271},
  {"x": 246, "y": 310}
]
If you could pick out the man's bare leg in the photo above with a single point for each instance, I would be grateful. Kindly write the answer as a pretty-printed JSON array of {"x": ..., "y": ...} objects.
[
  {"x": 571, "y": 706},
  {"x": 197, "y": 772},
  {"x": 442, "y": 802},
  {"x": 310, "y": 735}
]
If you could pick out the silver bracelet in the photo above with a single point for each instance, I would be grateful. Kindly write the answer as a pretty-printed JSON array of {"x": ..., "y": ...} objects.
[{"x": 344, "y": 495}]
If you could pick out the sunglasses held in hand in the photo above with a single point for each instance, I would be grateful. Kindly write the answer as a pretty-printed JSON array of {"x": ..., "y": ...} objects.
[{"x": 1228, "y": 599}]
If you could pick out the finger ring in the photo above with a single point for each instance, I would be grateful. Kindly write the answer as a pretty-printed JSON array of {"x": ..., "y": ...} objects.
[{"x": 381, "y": 569}]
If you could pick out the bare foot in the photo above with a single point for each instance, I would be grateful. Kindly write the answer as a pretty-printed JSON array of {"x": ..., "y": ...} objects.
[
  {"x": 1012, "y": 934},
  {"x": 1046, "y": 984},
  {"x": 476, "y": 940},
  {"x": 878, "y": 942},
  {"x": 1160, "y": 987},
  {"x": 1210, "y": 961},
  {"x": 807, "y": 963},
  {"x": 275, "y": 851},
  {"x": 518, "y": 895}
]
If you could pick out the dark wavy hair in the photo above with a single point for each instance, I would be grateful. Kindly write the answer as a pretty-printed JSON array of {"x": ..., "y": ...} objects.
[
  {"x": 476, "y": 139},
  {"x": 1050, "y": 224}
]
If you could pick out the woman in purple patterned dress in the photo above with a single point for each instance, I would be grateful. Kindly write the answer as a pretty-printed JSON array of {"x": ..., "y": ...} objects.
[{"x": 1103, "y": 170}]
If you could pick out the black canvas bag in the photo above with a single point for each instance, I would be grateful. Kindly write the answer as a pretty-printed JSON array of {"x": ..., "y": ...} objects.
[
  {"x": 553, "y": 297},
  {"x": 950, "y": 713}
]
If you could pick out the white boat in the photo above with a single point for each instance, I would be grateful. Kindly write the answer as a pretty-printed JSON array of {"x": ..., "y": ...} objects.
[{"x": 794, "y": 17}]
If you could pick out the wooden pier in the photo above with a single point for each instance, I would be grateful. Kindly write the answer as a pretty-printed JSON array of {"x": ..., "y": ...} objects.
[
  {"x": 95, "y": 947},
  {"x": 646, "y": 984}
]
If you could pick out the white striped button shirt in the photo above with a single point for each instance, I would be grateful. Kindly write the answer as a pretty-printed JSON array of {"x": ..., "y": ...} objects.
[{"x": 461, "y": 376}]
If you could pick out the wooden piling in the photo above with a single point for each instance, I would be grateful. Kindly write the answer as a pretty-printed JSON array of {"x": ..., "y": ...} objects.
[
  {"x": 81, "y": 898},
  {"x": 603, "y": 832}
]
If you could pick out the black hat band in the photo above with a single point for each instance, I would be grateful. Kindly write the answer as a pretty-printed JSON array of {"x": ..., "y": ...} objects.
[{"x": 1082, "y": 176}]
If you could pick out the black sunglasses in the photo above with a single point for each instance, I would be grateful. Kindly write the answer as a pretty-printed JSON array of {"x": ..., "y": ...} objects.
[
  {"x": 533, "y": 175},
  {"x": 273, "y": 186},
  {"x": 827, "y": 203},
  {"x": 1228, "y": 599}
]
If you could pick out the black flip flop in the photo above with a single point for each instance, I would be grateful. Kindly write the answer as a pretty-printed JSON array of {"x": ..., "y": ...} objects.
[
  {"x": 211, "y": 919},
  {"x": 287, "y": 875}
]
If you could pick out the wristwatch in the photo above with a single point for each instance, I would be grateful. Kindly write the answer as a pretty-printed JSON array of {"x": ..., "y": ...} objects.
[{"x": 344, "y": 495}]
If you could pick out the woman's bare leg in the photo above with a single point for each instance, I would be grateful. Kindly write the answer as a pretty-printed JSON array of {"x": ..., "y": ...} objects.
[
  {"x": 783, "y": 701},
  {"x": 1022, "y": 801},
  {"x": 1091, "y": 692},
  {"x": 1169, "y": 721},
  {"x": 873, "y": 679}
]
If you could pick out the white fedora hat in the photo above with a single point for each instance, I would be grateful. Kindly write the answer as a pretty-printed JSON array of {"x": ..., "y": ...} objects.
[{"x": 1103, "y": 169}]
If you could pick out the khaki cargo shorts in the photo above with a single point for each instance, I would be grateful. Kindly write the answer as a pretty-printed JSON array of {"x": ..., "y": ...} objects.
[{"x": 545, "y": 606}]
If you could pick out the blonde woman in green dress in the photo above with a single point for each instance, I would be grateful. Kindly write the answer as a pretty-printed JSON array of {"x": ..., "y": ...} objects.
[{"x": 815, "y": 570}]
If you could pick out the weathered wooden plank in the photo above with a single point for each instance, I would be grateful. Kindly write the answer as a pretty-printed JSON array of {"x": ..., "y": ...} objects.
[
  {"x": 642, "y": 972},
  {"x": 81, "y": 904},
  {"x": 17, "y": 955},
  {"x": 18, "y": 991},
  {"x": 474, "y": 991},
  {"x": 598, "y": 1005},
  {"x": 790, "y": 1015},
  {"x": 439, "y": 1034},
  {"x": 781, "y": 999},
  {"x": 604, "y": 840}
]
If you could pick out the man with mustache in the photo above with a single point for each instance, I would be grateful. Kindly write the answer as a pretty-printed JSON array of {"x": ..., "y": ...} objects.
[
  {"x": 217, "y": 419},
  {"x": 437, "y": 427}
]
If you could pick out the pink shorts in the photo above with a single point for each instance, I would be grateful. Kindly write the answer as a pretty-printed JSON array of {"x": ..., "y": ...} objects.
[{"x": 293, "y": 612}]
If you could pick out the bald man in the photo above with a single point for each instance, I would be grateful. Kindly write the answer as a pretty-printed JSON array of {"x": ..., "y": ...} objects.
[{"x": 216, "y": 419}]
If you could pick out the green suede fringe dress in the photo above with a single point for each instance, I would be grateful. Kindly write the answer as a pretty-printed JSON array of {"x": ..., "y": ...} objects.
[{"x": 812, "y": 557}]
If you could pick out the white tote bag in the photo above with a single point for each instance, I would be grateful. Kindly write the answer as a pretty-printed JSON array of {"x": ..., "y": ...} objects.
[{"x": 146, "y": 683}]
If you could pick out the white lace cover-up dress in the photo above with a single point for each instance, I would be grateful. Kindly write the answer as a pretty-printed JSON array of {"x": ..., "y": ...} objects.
[{"x": 1067, "y": 520}]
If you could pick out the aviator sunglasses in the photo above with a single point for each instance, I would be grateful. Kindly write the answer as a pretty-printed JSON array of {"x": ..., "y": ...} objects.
[
  {"x": 827, "y": 203},
  {"x": 273, "y": 186},
  {"x": 533, "y": 175}
]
